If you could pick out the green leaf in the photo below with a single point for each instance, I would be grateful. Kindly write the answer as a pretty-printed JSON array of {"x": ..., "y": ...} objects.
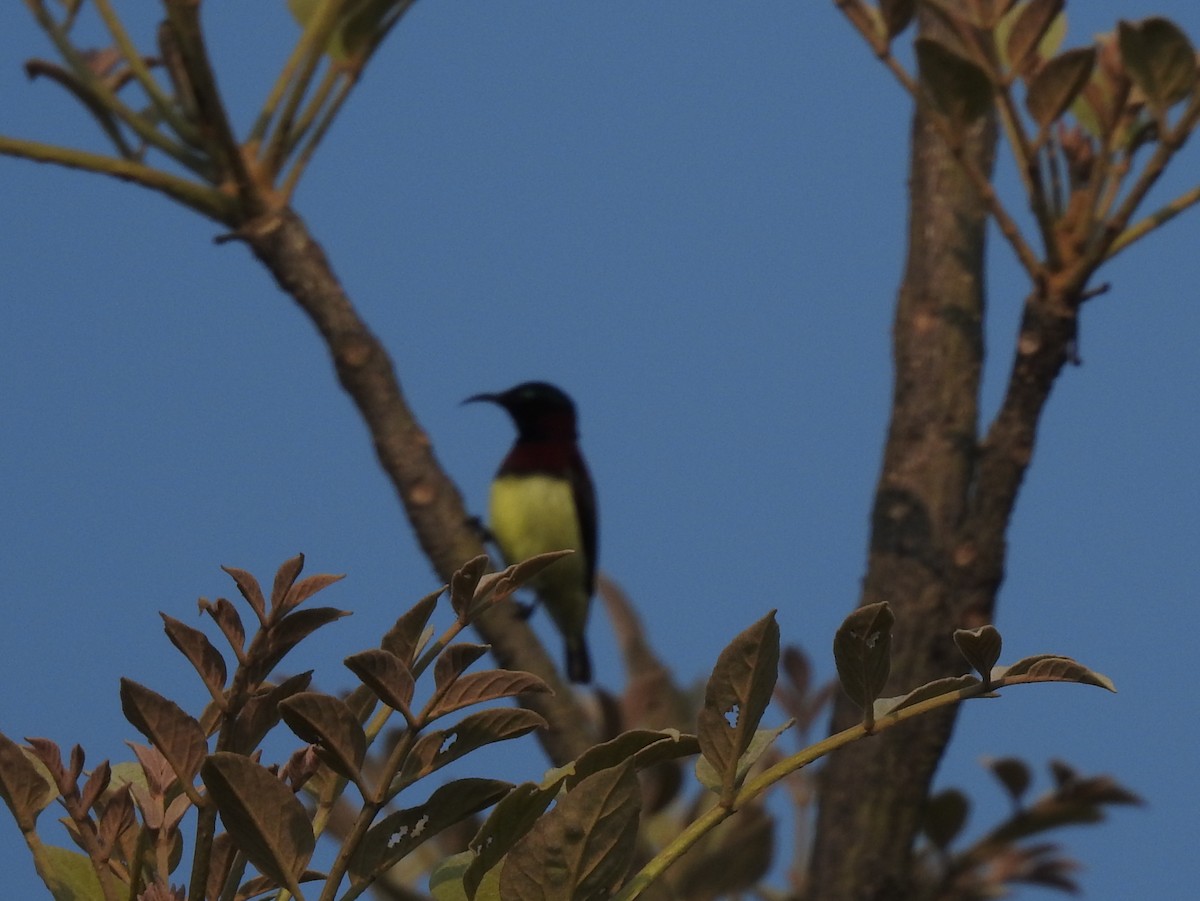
[
  {"x": 740, "y": 687},
  {"x": 582, "y": 849},
  {"x": 177, "y": 736},
  {"x": 446, "y": 880},
  {"x": 959, "y": 88},
  {"x": 980, "y": 646},
  {"x": 399, "y": 834},
  {"x": 328, "y": 723},
  {"x": 267, "y": 822},
  {"x": 1058, "y": 83},
  {"x": 862, "y": 650},
  {"x": 68, "y": 874},
  {"x": 24, "y": 789},
  {"x": 1159, "y": 58},
  {"x": 944, "y": 817}
]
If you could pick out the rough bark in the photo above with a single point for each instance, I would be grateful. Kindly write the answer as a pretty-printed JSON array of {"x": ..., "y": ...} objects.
[
  {"x": 430, "y": 499},
  {"x": 942, "y": 508},
  {"x": 872, "y": 792}
]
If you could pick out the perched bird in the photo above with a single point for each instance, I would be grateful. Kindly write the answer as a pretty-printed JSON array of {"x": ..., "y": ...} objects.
[{"x": 542, "y": 500}]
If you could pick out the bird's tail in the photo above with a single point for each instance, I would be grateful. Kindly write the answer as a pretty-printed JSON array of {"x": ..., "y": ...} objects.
[{"x": 579, "y": 661}]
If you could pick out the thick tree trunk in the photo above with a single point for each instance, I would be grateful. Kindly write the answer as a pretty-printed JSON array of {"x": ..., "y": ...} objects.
[{"x": 872, "y": 792}]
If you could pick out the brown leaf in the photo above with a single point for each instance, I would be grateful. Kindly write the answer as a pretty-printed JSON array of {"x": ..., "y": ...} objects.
[
  {"x": 476, "y": 688},
  {"x": 249, "y": 588},
  {"x": 897, "y": 14},
  {"x": 328, "y": 723},
  {"x": 1056, "y": 85},
  {"x": 587, "y": 841},
  {"x": 1053, "y": 668},
  {"x": 267, "y": 822},
  {"x": 1031, "y": 24},
  {"x": 463, "y": 582},
  {"x": 261, "y": 712},
  {"x": 195, "y": 646},
  {"x": 512, "y": 818},
  {"x": 454, "y": 660},
  {"x": 437, "y": 748},
  {"x": 386, "y": 675},
  {"x": 643, "y": 746},
  {"x": 944, "y": 816},
  {"x": 177, "y": 736},
  {"x": 285, "y": 577},
  {"x": 862, "y": 650},
  {"x": 740, "y": 687},
  {"x": 404, "y": 637},
  {"x": 306, "y": 588},
  {"x": 289, "y": 632},
  {"x": 23, "y": 788},
  {"x": 226, "y": 617},
  {"x": 1159, "y": 58},
  {"x": 981, "y": 647}
]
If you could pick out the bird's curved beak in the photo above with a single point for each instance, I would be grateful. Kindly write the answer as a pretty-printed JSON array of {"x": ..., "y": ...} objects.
[{"x": 477, "y": 398}]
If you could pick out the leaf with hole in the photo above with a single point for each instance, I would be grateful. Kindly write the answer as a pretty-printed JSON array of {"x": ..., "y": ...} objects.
[
  {"x": 399, "y": 834},
  {"x": 736, "y": 697},
  {"x": 862, "y": 651},
  {"x": 582, "y": 849},
  {"x": 509, "y": 821}
]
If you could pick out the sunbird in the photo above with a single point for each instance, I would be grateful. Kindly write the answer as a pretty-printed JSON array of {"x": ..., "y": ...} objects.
[{"x": 542, "y": 500}]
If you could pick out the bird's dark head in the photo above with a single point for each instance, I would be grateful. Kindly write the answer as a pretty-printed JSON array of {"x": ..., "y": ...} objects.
[{"x": 541, "y": 411}]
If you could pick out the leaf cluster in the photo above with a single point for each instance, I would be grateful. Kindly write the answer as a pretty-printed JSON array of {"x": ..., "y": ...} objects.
[
  {"x": 1091, "y": 128},
  {"x": 594, "y": 829}
]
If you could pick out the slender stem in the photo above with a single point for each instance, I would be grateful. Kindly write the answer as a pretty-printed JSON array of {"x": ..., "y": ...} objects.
[
  {"x": 202, "y": 198},
  {"x": 344, "y": 83},
  {"x": 301, "y": 67},
  {"x": 1160, "y": 216},
  {"x": 137, "y": 65},
  {"x": 757, "y": 786},
  {"x": 137, "y": 122},
  {"x": 184, "y": 18}
]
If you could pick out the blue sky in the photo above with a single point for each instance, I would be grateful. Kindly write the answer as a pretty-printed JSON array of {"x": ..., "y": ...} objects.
[{"x": 690, "y": 216}]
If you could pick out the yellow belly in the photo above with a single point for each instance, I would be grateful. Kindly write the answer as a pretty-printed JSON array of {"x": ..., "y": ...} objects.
[{"x": 535, "y": 514}]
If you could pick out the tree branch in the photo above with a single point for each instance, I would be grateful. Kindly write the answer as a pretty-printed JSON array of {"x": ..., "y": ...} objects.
[{"x": 431, "y": 500}]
